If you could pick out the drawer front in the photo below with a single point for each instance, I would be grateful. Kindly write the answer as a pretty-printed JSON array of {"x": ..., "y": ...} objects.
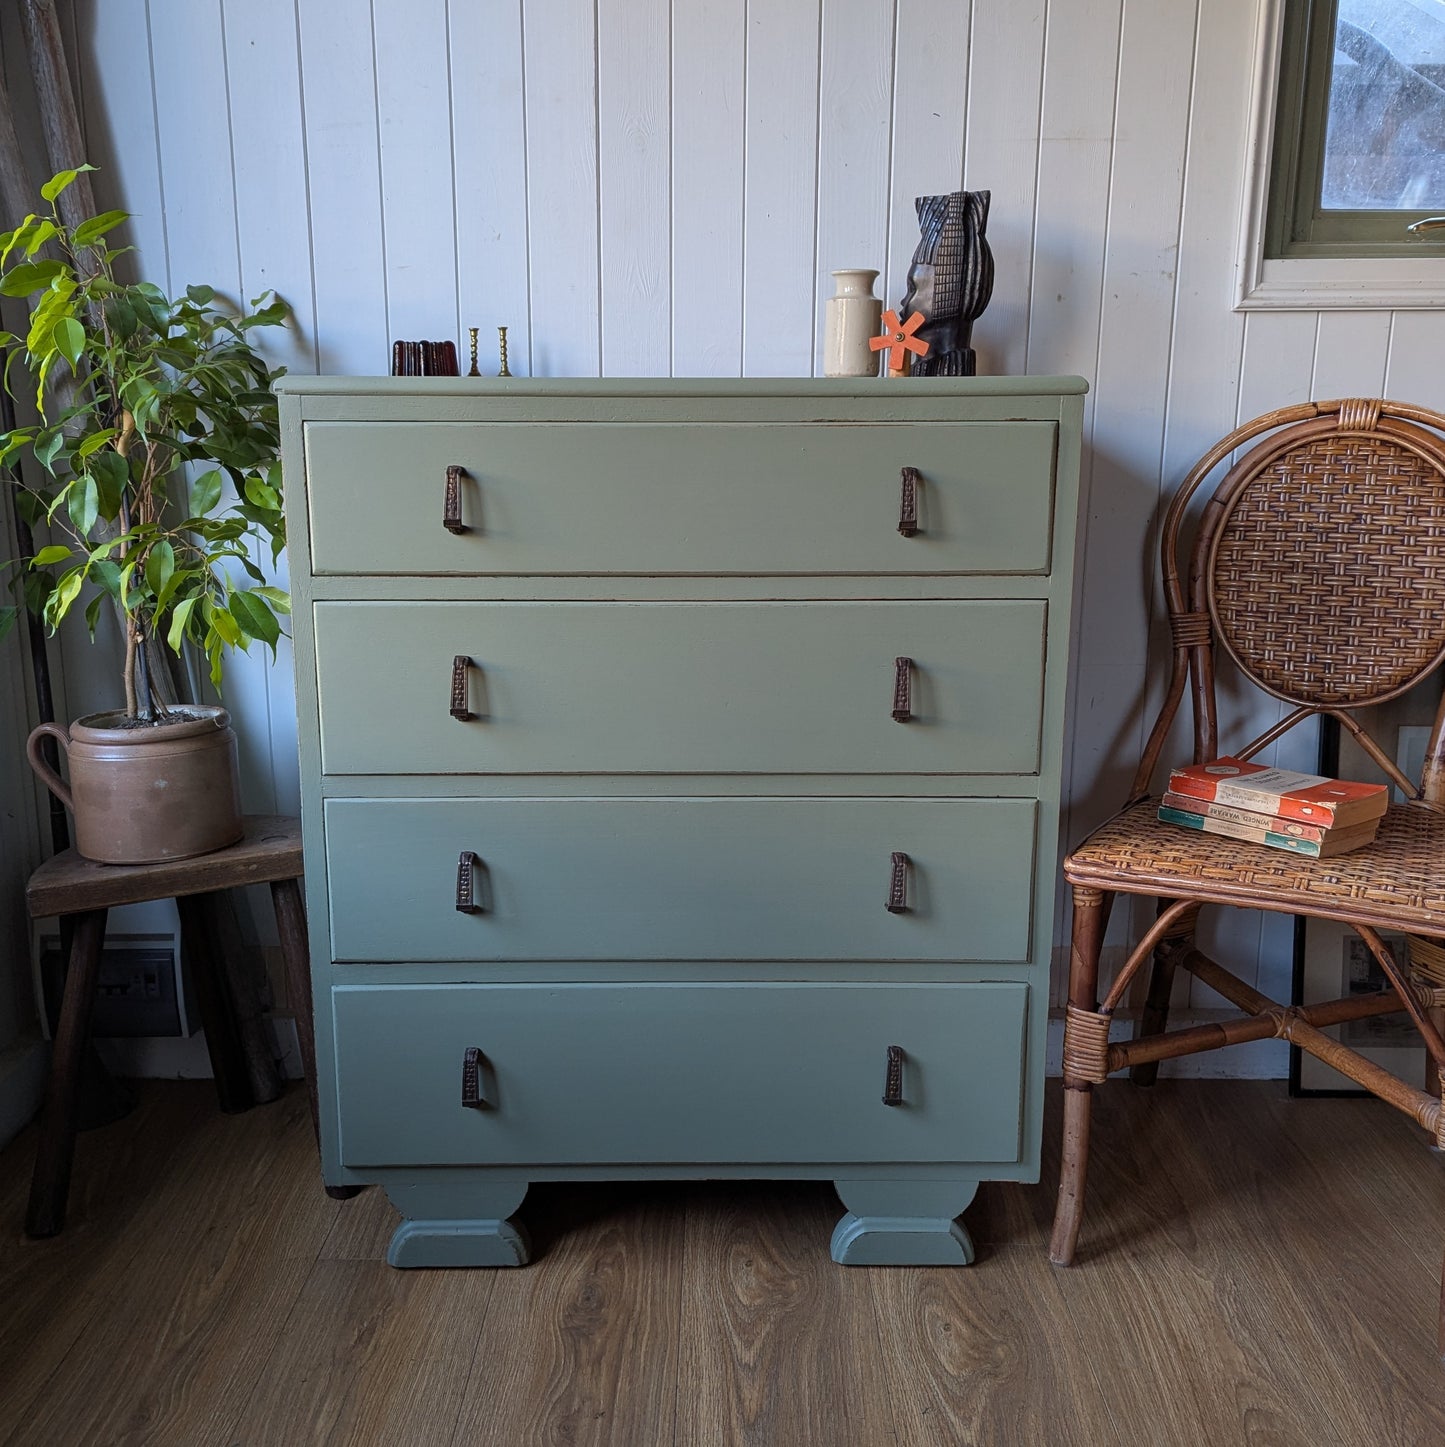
[
  {"x": 714, "y": 1073},
  {"x": 680, "y": 879},
  {"x": 648, "y": 498},
  {"x": 678, "y": 688}
]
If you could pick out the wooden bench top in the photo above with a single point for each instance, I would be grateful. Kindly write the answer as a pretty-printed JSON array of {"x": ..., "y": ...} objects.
[{"x": 68, "y": 884}]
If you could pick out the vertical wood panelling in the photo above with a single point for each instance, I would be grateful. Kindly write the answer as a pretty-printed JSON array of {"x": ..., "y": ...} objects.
[
  {"x": 264, "y": 86},
  {"x": 1350, "y": 354},
  {"x": 343, "y": 175},
  {"x": 194, "y": 126},
  {"x": 1001, "y": 155},
  {"x": 560, "y": 44},
  {"x": 638, "y": 187},
  {"x": 414, "y": 113},
  {"x": 780, "y": 188},
  {"x": 489, "y": 147},
  {"x": 708, "y": 76},
  {"x": 1414, "y": 372},
  {"x": 855, "y": 104},
  {"x": 930, "y": 96},
  {"x": 634, "y": 75}
]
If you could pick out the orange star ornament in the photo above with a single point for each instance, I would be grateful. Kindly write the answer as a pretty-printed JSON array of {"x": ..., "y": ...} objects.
[{"x": 897, "y": 339}]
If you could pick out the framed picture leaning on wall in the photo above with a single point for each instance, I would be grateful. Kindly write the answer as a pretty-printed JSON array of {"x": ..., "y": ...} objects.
[{"x": 1330, "y": 958}]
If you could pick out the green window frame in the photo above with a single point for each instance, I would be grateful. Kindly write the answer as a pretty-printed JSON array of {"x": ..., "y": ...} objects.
[{"x": 1296, "y": 224}]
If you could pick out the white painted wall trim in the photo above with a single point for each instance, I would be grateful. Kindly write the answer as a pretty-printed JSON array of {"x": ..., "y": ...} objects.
[{"x": 1310, "y": 283}]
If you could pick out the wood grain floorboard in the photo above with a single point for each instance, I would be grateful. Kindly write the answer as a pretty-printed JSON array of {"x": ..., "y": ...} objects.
[
  {"x": 1182, "y": 1363},
  {"x": 1253, "y": 1270},
  {"x": 580, "y": 1349},
  {"x": 368, "y": 1355},
  {"x": 990, "y": 1355},
  {"x": 177, "y": 1320},
  {"x": 776, "y": 1341}
]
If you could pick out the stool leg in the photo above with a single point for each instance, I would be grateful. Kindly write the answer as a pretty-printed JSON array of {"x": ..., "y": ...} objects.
[
  {"x": 50, "y": 1184},
  {"x": 296, "y": 957},
  {"x": 228, "y": 1060}
]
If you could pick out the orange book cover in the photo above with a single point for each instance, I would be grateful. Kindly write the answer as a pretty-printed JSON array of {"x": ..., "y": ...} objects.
[
  {"x": 1310, "y": 798},
  {"x": 1274, "y": 823}
]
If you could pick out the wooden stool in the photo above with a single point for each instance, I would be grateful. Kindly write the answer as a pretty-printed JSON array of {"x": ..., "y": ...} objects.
[{"x": 67, "y": 885}]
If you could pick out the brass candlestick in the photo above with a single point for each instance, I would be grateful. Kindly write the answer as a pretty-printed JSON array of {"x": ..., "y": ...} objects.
[
  {"x": 502, "y": 343},
  {"x": 473, "y": 371}
]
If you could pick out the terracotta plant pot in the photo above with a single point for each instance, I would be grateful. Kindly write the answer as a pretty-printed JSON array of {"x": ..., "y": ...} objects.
[{"x": 142, "y": 795}]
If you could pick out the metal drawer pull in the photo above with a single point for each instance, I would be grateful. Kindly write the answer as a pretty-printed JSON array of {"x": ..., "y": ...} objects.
[
  {"x": 908, "y": 504},
  {"x": 902, "y": 690},
  {"x": 459, "y": 709},
  {"x": 898, "y": 885},
  {"x": 893, "y": 1081},
  {"x": 472, "y": 1097},
  {"x": 452, "y": 513},
  {"x": 467, "y": 883}
]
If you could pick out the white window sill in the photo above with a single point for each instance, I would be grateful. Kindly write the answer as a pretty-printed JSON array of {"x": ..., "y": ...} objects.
[{"x": 1343, "y": 284}]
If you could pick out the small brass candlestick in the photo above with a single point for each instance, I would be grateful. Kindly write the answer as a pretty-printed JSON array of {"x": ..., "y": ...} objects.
[
  {"x": 473, "y": 371},
  {"x": 502, "y": 343}
]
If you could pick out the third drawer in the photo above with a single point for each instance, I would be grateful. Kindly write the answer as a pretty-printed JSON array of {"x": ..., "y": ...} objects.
[{"x": 680, "y": 879}]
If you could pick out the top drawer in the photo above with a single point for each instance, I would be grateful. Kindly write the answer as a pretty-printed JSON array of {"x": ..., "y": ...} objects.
[{"x": 648, "y": 499}]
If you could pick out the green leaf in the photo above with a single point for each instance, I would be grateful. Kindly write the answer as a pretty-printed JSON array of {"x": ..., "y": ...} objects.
[
  {"x": 84, "y": 504},
  {"x": 55, "y": 553},
  {"x": 224, "y": 626},
  {"x": 255, "y": 617},
  {"x": 111, "y": 475},
  {"x": 91, "y": 230},
  {"x": 278, "y": 598},
  {"x": 201, "y": 295},
  {"x": 160, "y": 564},
  {"x": 47, "y": 444},
  {"x": 120, "y": 314},
  {"x": 67, "y": 590},
  {"x": 92, "y": 613},
  {"x": 30, "y": 276},
  {"x": 62, "y": 179},
  {"x": 262, "y": 496},
  {"x": 205, "y": 493},
  {"x": 107, "y": 574},
  {"x": 70, "y": 338},
  {"x": 8, "y": 615},
  {"x": 42, "y": 233},
  {"x": 179, "y": 619}
]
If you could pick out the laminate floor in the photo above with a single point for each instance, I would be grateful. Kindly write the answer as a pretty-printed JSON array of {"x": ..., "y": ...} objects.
[{"x": 1253, "y": 1269}]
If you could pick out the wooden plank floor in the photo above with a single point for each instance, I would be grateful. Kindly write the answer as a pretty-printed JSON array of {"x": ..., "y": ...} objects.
[{"x": 1253, "y": 1269}]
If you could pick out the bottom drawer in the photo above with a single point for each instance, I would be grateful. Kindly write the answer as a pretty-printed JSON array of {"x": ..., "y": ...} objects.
[{"x": 679, "y": 1073}]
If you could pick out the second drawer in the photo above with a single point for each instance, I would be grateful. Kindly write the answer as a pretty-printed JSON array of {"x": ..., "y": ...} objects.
[
  {"x": 681, "y": 879},
  {"x": 680, "y": 688}
]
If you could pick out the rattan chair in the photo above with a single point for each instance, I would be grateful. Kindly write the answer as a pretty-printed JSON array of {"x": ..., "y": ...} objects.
[{"x": 1319, "y": 566}]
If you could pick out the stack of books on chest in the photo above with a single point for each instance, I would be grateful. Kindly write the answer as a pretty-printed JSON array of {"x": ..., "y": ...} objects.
[{"x": 1303, "y": 813}]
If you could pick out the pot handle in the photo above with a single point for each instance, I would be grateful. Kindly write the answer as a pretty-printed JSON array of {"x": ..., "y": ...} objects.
[{"x": 52, "y": 780}]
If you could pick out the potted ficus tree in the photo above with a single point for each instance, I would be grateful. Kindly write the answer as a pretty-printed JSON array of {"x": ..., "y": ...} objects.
[{"x": 147, "y": 408}]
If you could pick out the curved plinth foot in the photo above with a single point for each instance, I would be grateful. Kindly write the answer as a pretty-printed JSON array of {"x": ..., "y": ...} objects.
[
  {"x": 344, "y": 1193},
  {"x": 903, "y": 1223},
  {"x": 459, "y": 1243},
  {"x": 901, "y": 1241}
]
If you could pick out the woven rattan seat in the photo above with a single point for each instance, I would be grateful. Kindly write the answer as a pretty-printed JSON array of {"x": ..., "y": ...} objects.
[
  {"x": 1318, "y": 566},
  {"x": 1395, "y": 882}
]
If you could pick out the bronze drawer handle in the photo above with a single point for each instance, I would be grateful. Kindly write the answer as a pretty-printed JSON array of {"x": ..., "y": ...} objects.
[
  {"x": 898, "y": 885},
  {"x": 908, "y": 503},
  {"x": 893, "y": 1081},
  {"x": 472, "y": 1097},
  {"x": 902, "y": 690},
  {"x": 467, "y": 883},
  {"x": 452, "y": 513},
  {"x": 459, "y": 709}
]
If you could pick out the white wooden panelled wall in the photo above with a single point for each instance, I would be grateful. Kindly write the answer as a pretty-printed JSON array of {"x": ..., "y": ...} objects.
[{"x": 661, "y": 187}]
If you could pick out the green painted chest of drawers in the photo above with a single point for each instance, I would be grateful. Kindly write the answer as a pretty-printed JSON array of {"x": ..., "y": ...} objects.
[{"x": 680, "y": 786}]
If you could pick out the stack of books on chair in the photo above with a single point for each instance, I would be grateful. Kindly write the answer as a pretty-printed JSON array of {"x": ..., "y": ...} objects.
[{"x": 1304, "y": 813}]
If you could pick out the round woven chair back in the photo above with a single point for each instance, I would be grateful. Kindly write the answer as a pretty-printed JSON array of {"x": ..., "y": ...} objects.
[{"x": 1322, "y": 556}]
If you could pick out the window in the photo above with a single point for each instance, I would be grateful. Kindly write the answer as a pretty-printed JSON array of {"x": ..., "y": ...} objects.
[{"x": 1359, "y": 131}]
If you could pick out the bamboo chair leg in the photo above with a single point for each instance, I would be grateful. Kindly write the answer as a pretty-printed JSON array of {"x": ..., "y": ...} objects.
[
  {"x": 1090, "y": 915},
  {"x": 1154, "y": 1018}
]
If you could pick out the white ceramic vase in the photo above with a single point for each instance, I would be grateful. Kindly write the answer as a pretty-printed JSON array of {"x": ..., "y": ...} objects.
[{"x": 854, "y": 317}]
